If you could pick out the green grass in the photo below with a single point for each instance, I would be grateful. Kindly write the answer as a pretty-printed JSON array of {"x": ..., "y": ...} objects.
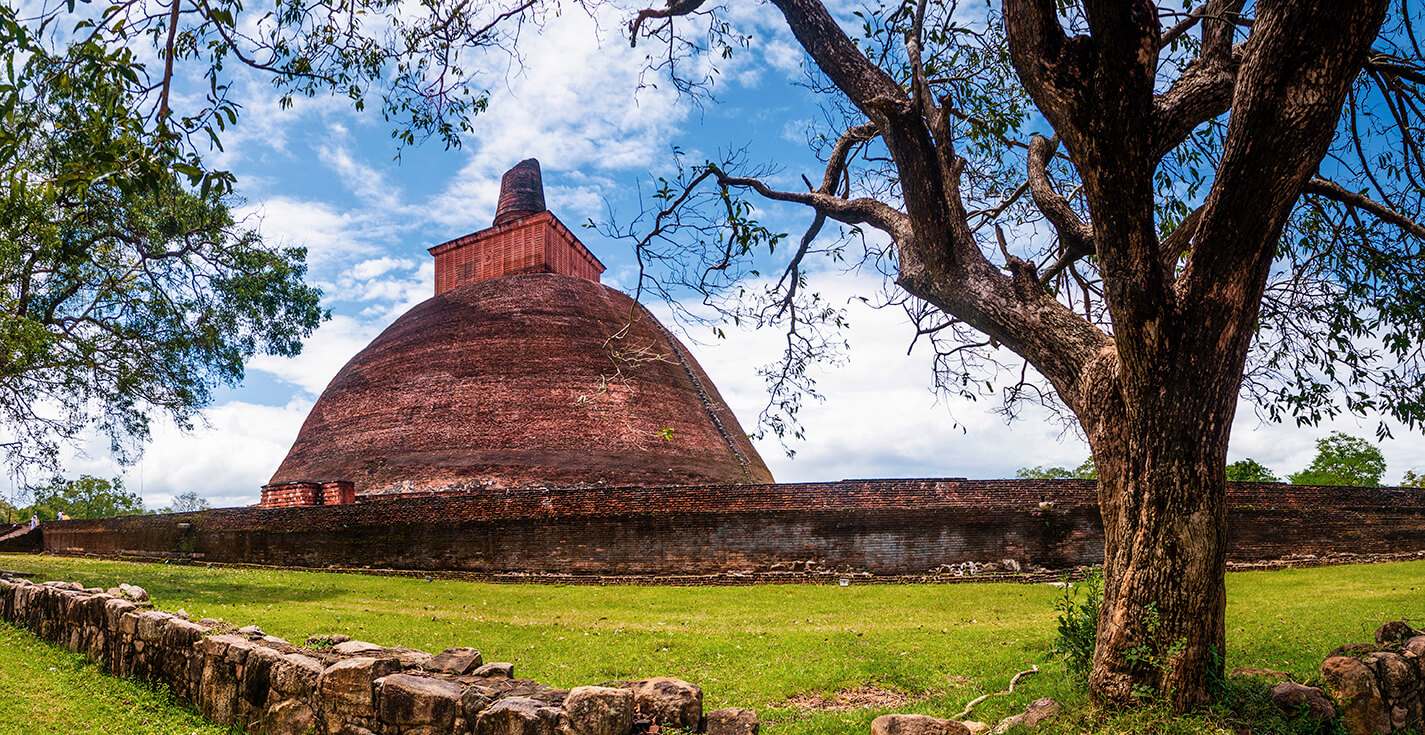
[
  {"x": 45, "y": 689},
  {"x": 758, "y": 647}
]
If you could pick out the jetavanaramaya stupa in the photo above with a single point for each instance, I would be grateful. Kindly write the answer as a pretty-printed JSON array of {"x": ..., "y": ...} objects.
[{"x": 522, "y": 370}]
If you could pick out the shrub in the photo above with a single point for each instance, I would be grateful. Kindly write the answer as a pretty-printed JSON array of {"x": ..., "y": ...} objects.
[{"x": 1077, "y": 624}]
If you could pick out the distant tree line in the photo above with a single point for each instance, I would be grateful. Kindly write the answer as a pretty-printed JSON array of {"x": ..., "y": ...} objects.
[
  {"x": 1341, "y": 459},
  {"x": 1085, "y": 471},
  {"x": 90, "y": 497}
]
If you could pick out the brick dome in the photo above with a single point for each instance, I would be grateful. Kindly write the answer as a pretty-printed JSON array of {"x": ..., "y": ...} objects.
[{"x": 527, "y": 379}]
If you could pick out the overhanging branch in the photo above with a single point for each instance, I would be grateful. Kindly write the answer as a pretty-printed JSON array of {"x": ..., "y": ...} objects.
[
  {"x": 851, "y": 211},
  {"x": 1336, "y": 192},
  {"x": 673, "y": 9}
]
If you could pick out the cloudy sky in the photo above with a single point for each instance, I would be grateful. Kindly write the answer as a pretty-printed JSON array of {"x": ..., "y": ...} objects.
[{"x": 325, "y": 177}]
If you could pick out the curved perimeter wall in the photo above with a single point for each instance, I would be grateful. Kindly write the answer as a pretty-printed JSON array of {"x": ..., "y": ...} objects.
[{"x": 885, "y": 527}]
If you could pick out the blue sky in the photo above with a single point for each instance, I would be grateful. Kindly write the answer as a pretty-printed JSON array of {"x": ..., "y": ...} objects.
[{"x": 323, "y": 176}]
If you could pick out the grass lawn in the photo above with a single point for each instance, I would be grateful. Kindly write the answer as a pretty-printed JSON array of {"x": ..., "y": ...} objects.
[
  {"x": 45, "y": 689},
  {"x": 789, "y": 652}
]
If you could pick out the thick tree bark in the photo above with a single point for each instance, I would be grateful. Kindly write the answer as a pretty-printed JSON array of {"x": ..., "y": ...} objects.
[{"x": 1162, "y": 487}]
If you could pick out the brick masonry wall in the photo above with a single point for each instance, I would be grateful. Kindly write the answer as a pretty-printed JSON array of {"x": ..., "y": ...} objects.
[
  {"x": 885, "y": 527},
  {"x": 293, "y": 494},
  {"x": 19, "y": 537},
  {"x": 261, "y": 684}
]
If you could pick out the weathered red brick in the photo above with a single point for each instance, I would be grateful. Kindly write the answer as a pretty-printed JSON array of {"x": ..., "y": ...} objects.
[{"x": 534, "y": 379}]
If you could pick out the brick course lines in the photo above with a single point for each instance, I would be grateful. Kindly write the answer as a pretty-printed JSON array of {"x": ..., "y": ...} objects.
[
  {"x": 294, "y": 494},
  {"x": 532, "y": 379},
  {"x": 886, "y": 527},
  {"x": 538, "y": 243}
]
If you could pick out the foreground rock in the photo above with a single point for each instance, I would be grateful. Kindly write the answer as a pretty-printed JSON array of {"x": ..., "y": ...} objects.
[
  {"x": 498, "y": 669},
  {"x": 1376, "y": 687},
  {"x": 1353, "y": 685},
  {"x": 456, "y": 661},
  {"x": 414, "y": 700},
  {"x": 1295, "y": 698},
  {"x": 599, "y": 711},
  {"x": 518, "y": 716},
  {"x": 732, "y": 721},
  {"x": 668, "y": 701},
  {"x": 1396, "y": 631},
  {"x": 1038, "y": 711},
  {"x": 916, "y": 725},
  {"x": 133, "y": 593}
]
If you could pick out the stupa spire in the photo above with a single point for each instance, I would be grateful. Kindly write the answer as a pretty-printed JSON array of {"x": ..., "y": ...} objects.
[{"x": 521, "y": 192}]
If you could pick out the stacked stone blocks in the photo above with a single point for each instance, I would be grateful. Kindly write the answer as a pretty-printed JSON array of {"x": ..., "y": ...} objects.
[
  {"x": 1379, "y": 688},
  {"x": 262, "y": 684}
]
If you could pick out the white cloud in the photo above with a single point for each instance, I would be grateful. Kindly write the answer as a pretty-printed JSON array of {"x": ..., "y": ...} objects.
[
  {"x": 365, "y": 182},
  {"x": 332, "y": 236},
  {"x": 231, "y": 452},
  {"x": 263, "y": 138},
  {"x": 577, "y": 106},
  {"x": 323, "y": 355},
  {"x": 880, "y": 417},
  {"x": 368, "y": 269}
]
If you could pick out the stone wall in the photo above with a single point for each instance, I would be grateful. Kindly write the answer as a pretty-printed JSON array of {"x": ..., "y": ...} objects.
[
  {"x": 1379, "y": 687},
  {"x": 882, "y": 527},
  {"x": 263, "y": 684}
]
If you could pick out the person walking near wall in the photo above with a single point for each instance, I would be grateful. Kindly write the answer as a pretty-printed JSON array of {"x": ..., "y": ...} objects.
[{"x": 34, "y": 521}]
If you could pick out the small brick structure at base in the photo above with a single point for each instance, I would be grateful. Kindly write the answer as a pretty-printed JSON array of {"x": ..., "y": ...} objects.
[{"x": 297, "y": 494}]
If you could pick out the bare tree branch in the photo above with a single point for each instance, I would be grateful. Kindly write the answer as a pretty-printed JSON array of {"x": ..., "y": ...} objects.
[
  {"x": 163, "y": 110},
  {"x": 1205, "y": 88},
  {"x": 1336, "y": 192},
  {"x": 1387, "y": 64},
  {"x": 851, "y": 211},
  {"x": 674, "y": 8}
]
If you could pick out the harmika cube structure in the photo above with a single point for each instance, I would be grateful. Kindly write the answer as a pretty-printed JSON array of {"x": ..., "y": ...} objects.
[
  {"x": 525, "y": 239},
  {"x": 522, "y": 370}
]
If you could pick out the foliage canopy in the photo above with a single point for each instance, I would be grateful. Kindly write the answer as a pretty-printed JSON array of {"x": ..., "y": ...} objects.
[
  {"x": 1249, "y": 470},
  {"x": 1342, "y": 459},
  {"x": 1085, "y": 471},
  {"x": 187, "y": 502},
  {"x": 125, "y": 291},
  {"x": 86, "y": 497}
]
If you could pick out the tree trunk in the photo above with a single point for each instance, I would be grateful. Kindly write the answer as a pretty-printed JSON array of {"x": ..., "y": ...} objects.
[{"x": 1162, "y": 490}]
